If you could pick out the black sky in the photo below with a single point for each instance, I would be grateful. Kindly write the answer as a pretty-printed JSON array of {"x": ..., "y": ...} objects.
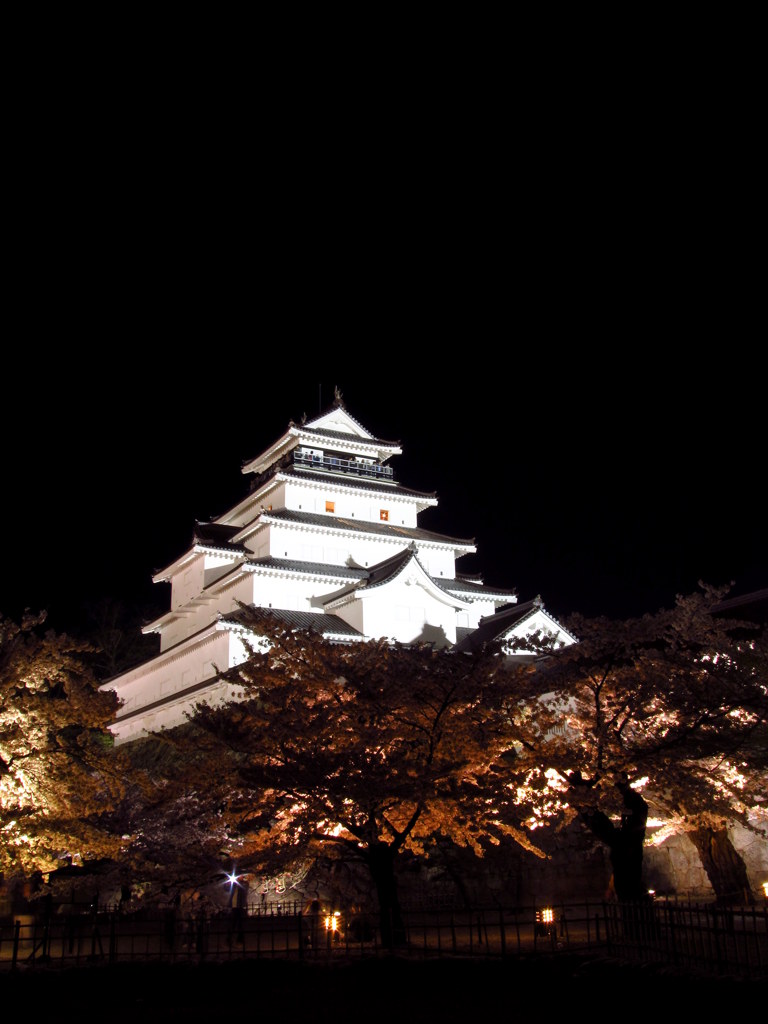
[
  {"x": 603, "y": 487},
  {"x": 555, "y": 308}
]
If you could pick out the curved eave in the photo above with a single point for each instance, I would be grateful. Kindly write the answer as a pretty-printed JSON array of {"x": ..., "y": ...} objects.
[
  {"x": 329, "y": 626},
  {"x": 478, "y": 592},
  {"x": 135, "y": 673},
  {"x": 540, "y": 610},
  {"x": 207, "y": 596},
  {"x": 426, "y": 581},
  {"x": 315, "y": 521},
  {"x": 315, "y": 572},
  {"x": 179, "y": 699},
  {"x": 250, "y": 505},
  {"x": 319, "y": 426},
  {"x": 165, "y": 575},
  {"x": 348, "y": 443},
  {"x": 359, "y": 444},
  {"x": 276, "y": 451},
  {"x": 517, "y": 631},
  {"x": 385, "y": 574},
  {"x": 349, "y": 482}
]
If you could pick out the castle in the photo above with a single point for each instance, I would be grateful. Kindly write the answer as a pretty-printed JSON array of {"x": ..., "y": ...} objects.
[{"x": 329, "y": 540}]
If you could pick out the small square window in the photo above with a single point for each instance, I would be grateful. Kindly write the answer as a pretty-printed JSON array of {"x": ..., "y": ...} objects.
[
  {"x": 384, "y": 514},
  {"x": 330, "y": 506}
]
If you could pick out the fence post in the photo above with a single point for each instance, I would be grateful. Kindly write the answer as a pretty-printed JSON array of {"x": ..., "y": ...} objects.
[{"x": 16, "y": 932}]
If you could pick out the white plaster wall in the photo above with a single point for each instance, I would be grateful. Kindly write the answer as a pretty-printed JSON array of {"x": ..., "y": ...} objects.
[
  {"x": 351, "y": 613},
  {"x": 438, "y": 562},
  {"x": 281, "y": 592},
  {"x": 471, "y": 617},
  {"x": 315, "y": 545},
  {"x": 175, "y": 675},
  {"x": 539, "y": 622},
  {"x": 176, "y": 672},
  {"x": 171, "y": 715},
  {"x": 275, "y": 498},
  {"x": 188, "y": 582},
  {"x": 406, "y": 613},
  {"x": 227, "y": 600},
  {"x": 270, "y": 496},
  {"x": 312, "y": 497},
  {"x": 174, "y": 633},
  {"x": 216, "y": 567},
  {"x": 185, "y": 626},
  {"x": 259, "y": 544},
  {"x": 200, "y": 616}
]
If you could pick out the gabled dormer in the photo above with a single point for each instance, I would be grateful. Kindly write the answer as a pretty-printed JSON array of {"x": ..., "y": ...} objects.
[
  {"x": 333, "y": 442},
  {"x": 397, "y": 598},
  {"x": 517, "y": 623}
]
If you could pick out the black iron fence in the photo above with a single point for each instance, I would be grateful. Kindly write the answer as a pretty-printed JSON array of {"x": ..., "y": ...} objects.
[
  {"x": 692, "y": 937},
  {"x": 688, "y": 936}
]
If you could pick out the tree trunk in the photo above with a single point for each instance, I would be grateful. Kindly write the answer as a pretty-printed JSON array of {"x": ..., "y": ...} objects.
[
  {"x": 725, "y": 868},
  {"x": 380, "y": 859},
  {"x": 625, "y": 844}
]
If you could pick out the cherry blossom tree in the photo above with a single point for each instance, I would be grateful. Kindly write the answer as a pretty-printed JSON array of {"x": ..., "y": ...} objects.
[
  {"x": 368, "y": 750},
  {"x": 58, "y": 776},
  {"x": 670, "y": 711}
]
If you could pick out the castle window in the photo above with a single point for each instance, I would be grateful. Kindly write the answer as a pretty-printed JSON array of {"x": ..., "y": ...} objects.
[
  {"x": 384, "y": 514},
  {"x": 330, "y": 506}
]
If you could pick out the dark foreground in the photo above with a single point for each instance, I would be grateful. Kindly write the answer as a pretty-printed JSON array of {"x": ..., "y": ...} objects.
[{"x": 376, "y": 990}]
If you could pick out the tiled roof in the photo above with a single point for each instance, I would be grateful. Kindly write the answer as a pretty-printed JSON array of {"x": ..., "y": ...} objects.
[
  {"x": 319, "y": 622},
  {"x": 311, "y": 568},
  {"x": 493, "y": 627},
  {"x": 216, "y": 535},
  {"x": 362, "y": 526},
  {"x": 461, "y": 585},
  {"x": 343, "y": 436},
  {"x": 389, "y": 568},
  {"x": 379, "y": 484}
]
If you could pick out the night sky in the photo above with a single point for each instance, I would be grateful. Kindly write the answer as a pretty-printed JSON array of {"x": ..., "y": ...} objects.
[
  {"x": 552, "y": 302},
  {"x": 606, "y": 482}
]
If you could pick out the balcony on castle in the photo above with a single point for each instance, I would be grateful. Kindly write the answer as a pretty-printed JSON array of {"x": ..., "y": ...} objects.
[{"x": 332, "y": 464}]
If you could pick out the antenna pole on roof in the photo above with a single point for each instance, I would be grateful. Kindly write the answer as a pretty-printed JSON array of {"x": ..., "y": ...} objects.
[{"x": 319, "y": 399}]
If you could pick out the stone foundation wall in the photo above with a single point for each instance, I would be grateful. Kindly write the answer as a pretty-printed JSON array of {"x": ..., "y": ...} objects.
[
  {"x": 674, "y": 867},
  {"x": 577, "y": 868}
]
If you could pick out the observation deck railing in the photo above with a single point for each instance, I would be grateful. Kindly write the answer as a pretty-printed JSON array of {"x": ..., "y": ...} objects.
[{"x": 331, "y": 463}]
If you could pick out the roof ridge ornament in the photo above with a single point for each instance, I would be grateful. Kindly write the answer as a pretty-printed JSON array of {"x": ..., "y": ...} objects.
[{"x": 338, "y": 400}]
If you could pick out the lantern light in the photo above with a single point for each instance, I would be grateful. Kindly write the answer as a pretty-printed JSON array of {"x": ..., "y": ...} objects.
[{"x": 545, "y": 921}]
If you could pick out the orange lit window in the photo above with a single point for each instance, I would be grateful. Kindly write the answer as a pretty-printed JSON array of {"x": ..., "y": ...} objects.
[
  {"x": 384, "y": 514},
  {"x": 330, "y": 506}
]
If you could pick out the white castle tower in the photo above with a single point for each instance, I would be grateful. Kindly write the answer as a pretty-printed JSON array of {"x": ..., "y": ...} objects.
[{"x": 329, "y": 540}]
